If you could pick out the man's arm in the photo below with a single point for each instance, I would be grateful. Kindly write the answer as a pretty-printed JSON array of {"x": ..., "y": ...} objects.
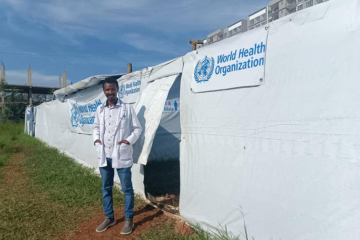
[
  {"x": 96, "y": 132},
  {"x": 136, "y": 127}
]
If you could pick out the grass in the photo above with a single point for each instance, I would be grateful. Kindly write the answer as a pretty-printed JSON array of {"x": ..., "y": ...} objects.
[
  {"x": 44, "y": 186},
  {"x": 8, "y": 134},
  {"x": 165, "y": 232},
  {"x": 46, "y": 195}
]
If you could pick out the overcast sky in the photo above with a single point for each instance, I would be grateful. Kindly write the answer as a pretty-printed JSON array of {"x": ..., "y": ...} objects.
[{"x": 91, "y": 37}]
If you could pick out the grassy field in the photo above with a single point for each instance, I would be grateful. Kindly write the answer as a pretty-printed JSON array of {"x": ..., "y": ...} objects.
[{"x": 46, "y": 195}]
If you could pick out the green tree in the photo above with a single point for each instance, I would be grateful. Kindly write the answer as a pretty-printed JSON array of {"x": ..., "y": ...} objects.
[{"x": 12, "y": 112}]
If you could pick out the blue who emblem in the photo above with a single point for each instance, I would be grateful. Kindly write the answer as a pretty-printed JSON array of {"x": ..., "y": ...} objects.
[
  {"x": 204, "y": 69},
  {"x": 121, "y": 92},
  {"x": 74, "y": 116}
]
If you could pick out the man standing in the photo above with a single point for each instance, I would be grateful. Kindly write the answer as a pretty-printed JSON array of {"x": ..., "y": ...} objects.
[{"x": 116, "y": 129}]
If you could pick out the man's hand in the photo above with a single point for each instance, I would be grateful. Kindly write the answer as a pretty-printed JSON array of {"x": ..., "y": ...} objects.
[
  {"x": 124, "y": 141},
  {"x": 98, "y": 141}
]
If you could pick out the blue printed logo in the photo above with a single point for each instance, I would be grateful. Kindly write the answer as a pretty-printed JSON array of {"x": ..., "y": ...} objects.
[
  {"x": 172, "y": 105},
  {"x": 204, "y": 69},
  {"x": 121, "y": 93},
  {"x": 83, "y": 114},
  {"x": 74, "y": 116}
]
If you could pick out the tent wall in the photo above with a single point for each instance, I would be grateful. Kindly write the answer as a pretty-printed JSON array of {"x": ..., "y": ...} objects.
[
  {"x": 285, "y": 153},
  {"x": 55, "y": 119},
  {"x": 29, "y": 127},
  {"x": 149, "y": 107},
  {"x": 52, "y": 128},
  {"x": 169, "y": 131}
]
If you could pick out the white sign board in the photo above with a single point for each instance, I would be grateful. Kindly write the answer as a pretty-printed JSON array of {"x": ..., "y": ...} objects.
[
  {"x": 82, "y": 115},
  {"x": 131, "y": 85},
  {"x": 235, "y": 62},
  {"x": 81, "y": 109},
  {"x": 129, "y": 90}
]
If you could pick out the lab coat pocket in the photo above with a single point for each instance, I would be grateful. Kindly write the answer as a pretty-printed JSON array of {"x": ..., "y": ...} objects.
[{"x": 126, "y": 152}]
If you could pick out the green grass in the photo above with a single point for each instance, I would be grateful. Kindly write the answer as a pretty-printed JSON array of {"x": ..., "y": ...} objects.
[
  {"x": 8, "y": 135},
  {"x": 165, "y": 232},
  {"x": 66, "y": 182},
  {"x": 48, "y": 195}
]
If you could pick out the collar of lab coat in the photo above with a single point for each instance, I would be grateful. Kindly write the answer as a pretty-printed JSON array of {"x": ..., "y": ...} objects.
[
  {"x": 121, "y": 115},
  {"x": 118, "y": 103}
]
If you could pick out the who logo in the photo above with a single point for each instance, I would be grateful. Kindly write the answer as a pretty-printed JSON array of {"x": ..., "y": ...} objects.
[
  {"x": 204, "y": 69},
  {"x": 75, "y": 115},
  {"x": 121, "y": 92}
]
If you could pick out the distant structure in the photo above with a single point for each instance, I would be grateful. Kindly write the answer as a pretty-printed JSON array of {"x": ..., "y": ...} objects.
[
  {"x": 64, "y": 79},
  {"x": 3, "y": 79},
  {"x": 258, "y": 18},
  {"x": 27, "y": 89},
  {"x": 29, "y": 76},
  {"x": 3, "y": 76},
  {"x": 236, "y": 28},
  {"x": 275, "y": 10}
]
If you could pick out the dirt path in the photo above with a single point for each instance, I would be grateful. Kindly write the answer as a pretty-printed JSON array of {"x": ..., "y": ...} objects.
[
  {"x": 144, "y": 219},
  {"x": 27, "y": 213},
  {"x": 13, "y": 176}
]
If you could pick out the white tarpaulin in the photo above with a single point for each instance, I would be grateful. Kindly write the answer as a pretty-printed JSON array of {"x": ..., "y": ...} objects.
[
  {"x": 56, "y": 121},
  {"x": 82, "y": 108},
  {"x": 84, "y": 84},
  {"x": 30, "y": 120},
  {"x": 169, "y": 131},
  {"x": 150, "y": 107},
  {"x": 236, "y": 62},
  {"x": 285, "y": 153},
  {"x": 131, "y": 85}
]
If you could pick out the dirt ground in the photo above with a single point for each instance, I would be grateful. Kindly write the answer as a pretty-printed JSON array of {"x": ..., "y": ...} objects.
[
  {"x": 144, "y": 219},
  {"x": 160, "y": 181}
]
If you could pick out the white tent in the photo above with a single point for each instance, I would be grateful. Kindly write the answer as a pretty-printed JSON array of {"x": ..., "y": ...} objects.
[
  {"x": 269, "y": 126},
  {"x": 68, "y": 124},
  {"x": 29, "y": 127},
  {"x": 284, "y": 150}
]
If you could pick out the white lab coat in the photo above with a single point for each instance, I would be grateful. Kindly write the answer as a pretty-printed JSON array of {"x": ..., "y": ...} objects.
[{"x": 128, "y": 128}]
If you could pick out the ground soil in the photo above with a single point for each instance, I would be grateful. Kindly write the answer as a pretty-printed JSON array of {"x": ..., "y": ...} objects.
[
  {"x": 162, "y": 180},
  {"x": 162, "y": 184},
  {"x": 144, "y": 219}
]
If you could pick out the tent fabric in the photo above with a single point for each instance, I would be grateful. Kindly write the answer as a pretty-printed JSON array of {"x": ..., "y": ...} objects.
[
  {"x": 241, "y": 62},
  {"x": 55, "y": 120},
  {"x": 29, "y": 127},
  {"x": 81, "y": 109},
  {"x": 149, "y": 108},
  {"x": 283, "y": 156},
  {"x": 132, "y": 84},
  {"x": 167, "y": 69},
  {"x": 169, "y": 131},
  {"x": 60, "y": 94}
]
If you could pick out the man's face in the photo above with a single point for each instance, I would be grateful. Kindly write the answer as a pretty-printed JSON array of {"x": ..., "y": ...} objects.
[{"x": 110, "y": 91}]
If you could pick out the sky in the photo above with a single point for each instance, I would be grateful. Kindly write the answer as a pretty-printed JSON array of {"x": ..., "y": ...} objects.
[{"x": 92, "y": 37}]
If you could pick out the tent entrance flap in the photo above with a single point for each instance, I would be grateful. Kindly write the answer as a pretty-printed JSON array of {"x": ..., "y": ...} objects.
[
  {"x": 149, "y": 107},
  {"x": 162, "y": 172}
]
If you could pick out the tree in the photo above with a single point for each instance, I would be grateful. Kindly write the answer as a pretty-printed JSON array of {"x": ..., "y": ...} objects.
[{"x": 12, "y": 112}]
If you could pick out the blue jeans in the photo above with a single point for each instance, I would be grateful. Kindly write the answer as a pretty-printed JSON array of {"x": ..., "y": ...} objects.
[{"x": 107, "y": 182}]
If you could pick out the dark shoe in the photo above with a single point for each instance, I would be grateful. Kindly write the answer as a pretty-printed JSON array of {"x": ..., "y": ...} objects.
[
  {"x": 128, "y": 227},
  {"x": 108, "y": 222}
]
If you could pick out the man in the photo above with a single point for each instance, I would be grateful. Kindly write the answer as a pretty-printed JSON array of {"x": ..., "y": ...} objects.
[{"x": 116, "y": 129}]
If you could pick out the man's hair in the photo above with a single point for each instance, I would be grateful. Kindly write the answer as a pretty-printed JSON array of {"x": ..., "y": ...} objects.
[{"x": 111, "y": 80}]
